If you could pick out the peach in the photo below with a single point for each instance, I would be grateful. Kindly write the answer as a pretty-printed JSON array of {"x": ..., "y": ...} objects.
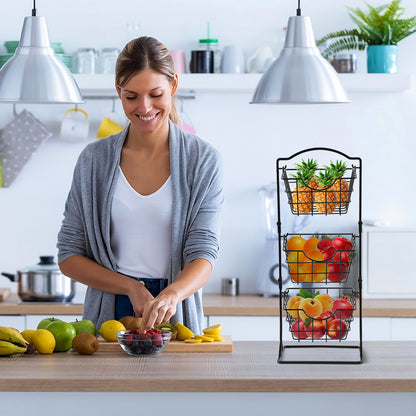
[
  {"x": 309, "y": 308},
  {"x": 326, "y": 301},
  {"x": 292, "y": 301},
  {"x": 294, "y": 310}
]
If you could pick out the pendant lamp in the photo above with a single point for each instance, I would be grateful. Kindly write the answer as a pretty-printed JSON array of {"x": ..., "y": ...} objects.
[
  {"x": 34, "y": 74},
  {"x": 300, "y": 75}
]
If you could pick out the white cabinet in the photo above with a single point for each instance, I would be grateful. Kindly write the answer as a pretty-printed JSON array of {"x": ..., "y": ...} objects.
[
  {"x": 33, "y": 320},
  {"x": 388, "y": 269},
  {"x": 266, "y": 328},
  {"x": 14, "y": 321}
]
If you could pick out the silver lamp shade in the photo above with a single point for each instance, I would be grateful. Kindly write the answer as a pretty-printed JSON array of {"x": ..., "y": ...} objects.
[
  {"x": 300, "y": 75},
  {"x": 34, "y": 74}
]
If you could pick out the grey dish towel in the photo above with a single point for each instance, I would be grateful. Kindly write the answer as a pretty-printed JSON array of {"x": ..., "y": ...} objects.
[{"x": 18, "y": 141}]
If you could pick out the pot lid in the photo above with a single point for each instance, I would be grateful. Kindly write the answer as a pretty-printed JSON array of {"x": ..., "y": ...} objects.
[{"x": 46, "y": 263}]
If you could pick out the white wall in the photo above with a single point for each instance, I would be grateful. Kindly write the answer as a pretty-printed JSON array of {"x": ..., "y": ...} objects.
[{"x": 377, "y": 127}]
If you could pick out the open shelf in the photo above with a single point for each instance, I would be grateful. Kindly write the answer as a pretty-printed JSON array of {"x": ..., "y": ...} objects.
[{"x": 103, "y": 84}]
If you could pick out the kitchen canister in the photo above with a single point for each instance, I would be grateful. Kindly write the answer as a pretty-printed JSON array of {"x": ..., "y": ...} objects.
[{"x": 230, "y": 286}]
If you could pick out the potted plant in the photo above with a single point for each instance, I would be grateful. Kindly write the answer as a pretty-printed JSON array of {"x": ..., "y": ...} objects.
[{"x": 379, "y": 30}]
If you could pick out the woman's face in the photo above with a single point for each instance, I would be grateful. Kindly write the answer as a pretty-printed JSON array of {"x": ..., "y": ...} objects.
[{"x": 147, "y": 100}]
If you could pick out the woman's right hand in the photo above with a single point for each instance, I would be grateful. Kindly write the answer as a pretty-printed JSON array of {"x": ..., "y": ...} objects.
[{"x": 138, "y": 296}]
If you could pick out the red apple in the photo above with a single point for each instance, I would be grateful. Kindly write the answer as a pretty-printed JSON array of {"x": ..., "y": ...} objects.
[
  {"x": 328, "y": 253},
  {"x": 337, "y": 272},
  {"x": 315, "y": 329},
  {"x": 324, "y": 244},
  {"x": 326, "y": 317},
  {"x": 337, "y": 329},
  {"x": 342, "y": 243},
  {"x": 341, "y": 257},
  {"x": 298, "y": 330}
]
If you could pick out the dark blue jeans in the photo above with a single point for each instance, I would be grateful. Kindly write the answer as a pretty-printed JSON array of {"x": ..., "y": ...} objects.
[{"x": 123, "y": 304}]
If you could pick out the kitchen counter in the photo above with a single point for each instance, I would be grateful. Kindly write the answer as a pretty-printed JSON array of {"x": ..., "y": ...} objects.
[
  {"x": 251, "y": 367},
  {"x": 218, "y": 305}
]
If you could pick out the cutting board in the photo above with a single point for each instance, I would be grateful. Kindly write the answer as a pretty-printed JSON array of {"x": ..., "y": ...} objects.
[
  {"x": 4, "y": 293},
  {"x": 181, "y": 346}
]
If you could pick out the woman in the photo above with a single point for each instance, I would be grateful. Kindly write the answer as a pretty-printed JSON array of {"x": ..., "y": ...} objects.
[{"x": 141, "y": 221}]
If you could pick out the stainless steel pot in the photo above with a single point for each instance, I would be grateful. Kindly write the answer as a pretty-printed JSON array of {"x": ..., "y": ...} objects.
[{"x": 43, "y": 282}]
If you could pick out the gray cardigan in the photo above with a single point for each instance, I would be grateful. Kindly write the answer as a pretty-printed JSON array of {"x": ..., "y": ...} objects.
[{"x": 196, "y": 175}]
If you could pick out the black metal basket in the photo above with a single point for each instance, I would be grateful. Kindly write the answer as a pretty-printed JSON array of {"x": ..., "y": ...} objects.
[
  {"x": 306, "y": 200},
  {"x": 304, "y": 268},
  {"x": 306, "y": 331}
]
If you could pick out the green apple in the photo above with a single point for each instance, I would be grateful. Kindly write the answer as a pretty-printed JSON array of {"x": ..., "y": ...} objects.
[
  {"x": 63, "y": 333},
  {"x": 84, "y": 326},
  {"x": 45, "y": 322}
]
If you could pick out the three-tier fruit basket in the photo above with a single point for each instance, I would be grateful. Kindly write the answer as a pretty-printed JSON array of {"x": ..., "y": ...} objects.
[{"x": 320, "y": 311}]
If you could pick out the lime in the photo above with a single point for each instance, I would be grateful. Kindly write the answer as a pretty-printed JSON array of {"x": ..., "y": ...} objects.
[{"x": 109, "y": 329}]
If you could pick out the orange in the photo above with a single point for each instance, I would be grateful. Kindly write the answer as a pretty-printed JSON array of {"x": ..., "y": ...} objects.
[
  {"x": 295, "y": 243},
  {"x": 311, "y": 245},
  {"x": 296, "y": 261},
  {"x": 319, "y": 272},
  {"x": 315, "y": 255}
]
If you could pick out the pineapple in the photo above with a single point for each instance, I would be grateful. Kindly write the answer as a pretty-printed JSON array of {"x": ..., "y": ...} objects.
[
  {"x": 302, "y": 194},
  {"x": 311, "y": 166},
  {"x": 325, "y": 200},
  {"x": 340, "y": 186}
]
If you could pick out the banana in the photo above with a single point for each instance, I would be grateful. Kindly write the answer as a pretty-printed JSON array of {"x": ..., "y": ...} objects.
[
  {"x": 12, "y": 335},
  {"x": 8, "y": 348}
]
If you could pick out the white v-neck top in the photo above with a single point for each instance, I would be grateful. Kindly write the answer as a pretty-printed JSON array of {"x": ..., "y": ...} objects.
[{"x": 141, "y": 230}]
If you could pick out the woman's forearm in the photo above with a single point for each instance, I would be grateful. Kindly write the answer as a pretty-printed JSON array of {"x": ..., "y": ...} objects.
[
  {"x": 92, "y": 274},
  {"x": 193, "y": 276}
]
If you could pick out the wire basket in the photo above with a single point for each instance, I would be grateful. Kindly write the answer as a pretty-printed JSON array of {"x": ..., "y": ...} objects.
[
  {"x": 331, "y": 324},
  {"x": 310, "y": 268},
  {"x": 307, "y": 200}
]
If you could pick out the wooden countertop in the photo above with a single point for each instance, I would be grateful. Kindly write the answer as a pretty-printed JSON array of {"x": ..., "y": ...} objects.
[
  {"x": 218, "y": 305},
  {"x": 252, "y": 367}
]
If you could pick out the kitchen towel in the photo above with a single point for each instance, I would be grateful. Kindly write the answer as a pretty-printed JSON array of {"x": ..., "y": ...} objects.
[{"x": 18, "y": 141}]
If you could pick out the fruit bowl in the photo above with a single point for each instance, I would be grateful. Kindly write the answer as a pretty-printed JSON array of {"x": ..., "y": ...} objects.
[{"x": 151, "y": 343}]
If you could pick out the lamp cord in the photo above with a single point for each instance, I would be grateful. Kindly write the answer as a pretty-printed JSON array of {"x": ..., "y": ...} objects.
[
  {"x": 298, "y": 11},
  {"x": 34, "y": 8}
]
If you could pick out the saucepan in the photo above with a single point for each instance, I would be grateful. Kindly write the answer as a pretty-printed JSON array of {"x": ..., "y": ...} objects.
[{"x": 43, "y": 282}]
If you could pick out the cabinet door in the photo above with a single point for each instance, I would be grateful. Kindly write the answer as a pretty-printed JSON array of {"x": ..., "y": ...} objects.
[
  {"x": 15, "y": 321},
  {"x": 32, "y": 321},
  {"x": 390, "y": 269},
  {"x": 249, "y": 328},
  {"x": 403, "y": 329}
]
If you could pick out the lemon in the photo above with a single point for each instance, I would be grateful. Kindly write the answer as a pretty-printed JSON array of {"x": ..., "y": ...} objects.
[
  {"x": 216, "y": 338},
  {"x": 213, "y": 330},
  {"x": 109, "y": 329},
  {"x": 204, "y": 338},
  {"x": 44, "y": 341},
  {"x": 183, "y": 332},
  {"x": 27, "y": 334},
  {"x": 193, "y": 340}
]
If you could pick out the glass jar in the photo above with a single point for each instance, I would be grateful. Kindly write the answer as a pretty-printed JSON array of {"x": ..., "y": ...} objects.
[
  {"x": 84, "y": 61},
  {"x": 345, "y": 63}
]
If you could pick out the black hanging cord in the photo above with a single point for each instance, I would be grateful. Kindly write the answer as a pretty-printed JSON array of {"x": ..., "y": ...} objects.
[
  {"x": 298, "y": 11},
  {"x": 34, "y": 8}
]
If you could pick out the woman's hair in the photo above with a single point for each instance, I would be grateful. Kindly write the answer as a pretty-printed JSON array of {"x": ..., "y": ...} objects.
[{"x": 140, "y": 54}]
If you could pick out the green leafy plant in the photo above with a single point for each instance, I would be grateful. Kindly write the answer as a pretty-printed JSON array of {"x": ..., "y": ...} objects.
[{"x": 381, "y": 25}]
